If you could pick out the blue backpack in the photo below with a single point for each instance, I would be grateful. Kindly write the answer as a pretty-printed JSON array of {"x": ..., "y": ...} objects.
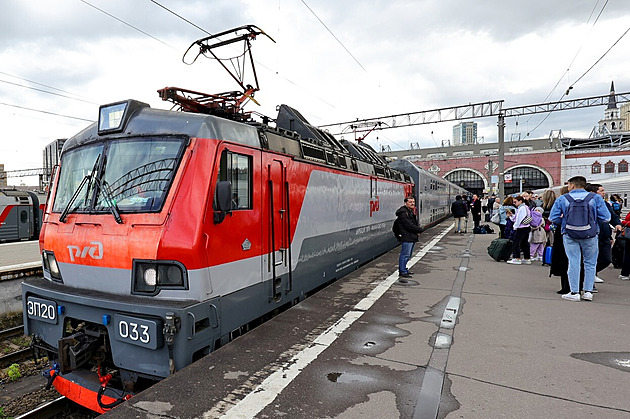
[
  {"x": 616, "y": 206},
  {"x": 580, "y": 220}
]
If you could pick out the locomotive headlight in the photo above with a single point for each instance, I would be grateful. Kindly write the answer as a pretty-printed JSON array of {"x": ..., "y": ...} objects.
[
  {"x": 150, "y": 276},
  {"x": 50, "y": 265}
]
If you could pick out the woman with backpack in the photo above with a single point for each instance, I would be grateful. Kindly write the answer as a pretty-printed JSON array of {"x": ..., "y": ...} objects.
[{"x": 522, "y": 220}]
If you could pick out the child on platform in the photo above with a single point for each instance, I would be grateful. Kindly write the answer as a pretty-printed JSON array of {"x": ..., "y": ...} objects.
[{"x": 538, "y": 235}]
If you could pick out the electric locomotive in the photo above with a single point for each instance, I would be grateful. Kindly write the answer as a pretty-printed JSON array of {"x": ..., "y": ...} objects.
[{"x": 167, "y": 232}]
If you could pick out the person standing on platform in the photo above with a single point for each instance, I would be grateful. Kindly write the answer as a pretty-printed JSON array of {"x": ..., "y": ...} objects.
[
  {"x": 459, "y": 209},
  {"x": 521, "y": 219},
  {"x": 604, "y": 258},
  {"x": 624, "y": 275},
  {"x": 559, "y": 261},
  {"x": 409, "y": 230},
  {"x": 548, "y": 198},
  {"x": 508, "y": 204},
  {"x": 475, "y": 210},
  {"x": 579, "y": 212}
]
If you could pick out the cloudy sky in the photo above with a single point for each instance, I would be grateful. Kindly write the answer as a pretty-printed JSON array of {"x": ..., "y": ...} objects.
[{"x": 333, "y": 60}]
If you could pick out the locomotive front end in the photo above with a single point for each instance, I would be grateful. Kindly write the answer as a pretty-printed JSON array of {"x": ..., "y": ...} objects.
[{"x": 123, "y": 301}]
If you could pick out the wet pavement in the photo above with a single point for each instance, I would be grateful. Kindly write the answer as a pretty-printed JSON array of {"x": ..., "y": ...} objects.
[{"x": 467, "y": 337}]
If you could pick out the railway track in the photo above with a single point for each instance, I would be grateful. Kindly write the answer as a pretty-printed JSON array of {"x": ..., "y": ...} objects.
[
  {"x": 18, "y": 355},
  {"x": 48, "y": 410}
]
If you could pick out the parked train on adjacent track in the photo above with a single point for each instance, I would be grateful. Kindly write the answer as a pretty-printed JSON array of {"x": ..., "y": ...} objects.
[
  {"x": 167, "y": 233},
  {"x": 20, "y": 214}
]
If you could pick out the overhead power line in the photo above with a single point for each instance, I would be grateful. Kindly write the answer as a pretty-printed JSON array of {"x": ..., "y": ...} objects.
[
  {"x": 128, "y": 24},
  {"x": 181, "y": 17},
  {"x": 46, "y": 112},
  {"x": 334, "y": 36},
  {"x": 45, "y": 91}
]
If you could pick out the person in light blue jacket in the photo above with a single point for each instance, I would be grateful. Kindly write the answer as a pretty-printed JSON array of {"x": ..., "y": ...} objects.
[{"x": 578, "y": 248}]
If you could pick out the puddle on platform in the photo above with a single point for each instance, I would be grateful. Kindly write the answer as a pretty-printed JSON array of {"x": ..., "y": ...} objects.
[
  {"x": 617, "y": 360},
  {"x": 347, "y": 378}
]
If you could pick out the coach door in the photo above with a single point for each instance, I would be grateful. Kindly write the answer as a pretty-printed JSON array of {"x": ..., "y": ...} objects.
[
  {"x": 279, "y": 255},
  {"x": 24, "y": 221}
]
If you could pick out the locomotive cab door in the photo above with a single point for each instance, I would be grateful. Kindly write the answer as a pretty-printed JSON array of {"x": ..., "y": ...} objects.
[{"x": 278, "y": 264}]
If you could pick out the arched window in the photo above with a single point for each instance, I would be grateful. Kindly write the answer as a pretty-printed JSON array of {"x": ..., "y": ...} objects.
[
  {"x": 530, "y": 177},
  {"x": 609, "y": 167},
  {"x": 468, "y": 180},
  {"x": 596, "y": 168},
  {"x": 622, "y": 167}
]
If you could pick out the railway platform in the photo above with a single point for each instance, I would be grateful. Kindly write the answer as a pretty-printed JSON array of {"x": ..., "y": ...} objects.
[{"x": 468, "y": 337}]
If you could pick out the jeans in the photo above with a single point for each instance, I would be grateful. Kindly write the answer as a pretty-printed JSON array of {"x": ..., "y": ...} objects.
[
  {"x": 576, "y": 249},
  {"x": 406, "y": 248},
  {"x": 460, "y": 224}
]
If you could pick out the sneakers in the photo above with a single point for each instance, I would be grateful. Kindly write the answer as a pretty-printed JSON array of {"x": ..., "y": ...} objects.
[
  {"x": 598, "y": 280},
  {"x": 573, "y": 297},
  {"x": 594, "y": 289},
  {"x": 587, "y": 296},
  {"x": 624, "y": 277},
  {"x": 526, "y": 261},
  {"x": 514, "y": 261},
  {"x": 405, "y": 275},
  {"x": 537, "y": 259}
]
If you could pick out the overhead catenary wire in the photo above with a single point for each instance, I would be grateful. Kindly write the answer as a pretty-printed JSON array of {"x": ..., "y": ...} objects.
[
  {"x": 570, "y": 64},
  {"x": 47, "y": 92},
  {"x": 334, "y": 36},
  {"x": 46, "y": 112},
  {"x": 128, "y": 24}
]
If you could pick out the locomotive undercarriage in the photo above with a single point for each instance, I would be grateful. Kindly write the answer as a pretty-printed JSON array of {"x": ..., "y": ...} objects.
[{"x": 85, "y": 348}]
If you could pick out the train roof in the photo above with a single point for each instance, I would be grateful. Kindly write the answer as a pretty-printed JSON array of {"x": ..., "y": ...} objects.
[{"x": 292, "y": 135}]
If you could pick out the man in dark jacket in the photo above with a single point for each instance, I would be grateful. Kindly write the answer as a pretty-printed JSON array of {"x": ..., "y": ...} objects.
[
  {"x": 409, "y": 230},
  {"x": 459, "y": 209},
  {"x": 604, "y": 257}
]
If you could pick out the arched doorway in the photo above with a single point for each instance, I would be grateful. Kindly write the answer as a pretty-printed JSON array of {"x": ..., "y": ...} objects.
[
  {"x": 468, "y": 180},
  {"x": 531, "y": 178}
]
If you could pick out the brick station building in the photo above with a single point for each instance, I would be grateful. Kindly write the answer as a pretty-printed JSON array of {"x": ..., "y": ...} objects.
[{"x": 533, "y": 164}]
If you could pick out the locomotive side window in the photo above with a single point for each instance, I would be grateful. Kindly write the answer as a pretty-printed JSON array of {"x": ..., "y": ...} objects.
[{"x": 237, "y": 169}]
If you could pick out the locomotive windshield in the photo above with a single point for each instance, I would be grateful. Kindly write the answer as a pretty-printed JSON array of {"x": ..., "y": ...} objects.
[{"x": 131, "y": 175}]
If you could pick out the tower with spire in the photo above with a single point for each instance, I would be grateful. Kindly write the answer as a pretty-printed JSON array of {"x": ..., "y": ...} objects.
[{"x": 612, "y": 123}]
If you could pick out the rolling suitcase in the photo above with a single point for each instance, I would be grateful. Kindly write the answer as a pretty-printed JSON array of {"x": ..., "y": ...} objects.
[
  {"x": 547, "y": 255},
  {"x": 500, "y": 249}
]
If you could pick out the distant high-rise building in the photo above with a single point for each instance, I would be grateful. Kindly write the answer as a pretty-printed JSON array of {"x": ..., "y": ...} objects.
[{"x": 465, "y": 133}]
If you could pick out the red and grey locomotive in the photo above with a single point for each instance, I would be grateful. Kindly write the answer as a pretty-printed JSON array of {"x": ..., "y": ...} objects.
[{"x": 167, "y": 233}]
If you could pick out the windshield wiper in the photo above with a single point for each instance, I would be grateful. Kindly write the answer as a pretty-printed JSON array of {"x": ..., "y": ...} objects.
[
  {"x": 109, "y": 200},
  {"x": 88, "y": 177}
]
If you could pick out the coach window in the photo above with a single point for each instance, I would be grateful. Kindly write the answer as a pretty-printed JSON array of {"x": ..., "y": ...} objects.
[{"x": 237, "y": 169}]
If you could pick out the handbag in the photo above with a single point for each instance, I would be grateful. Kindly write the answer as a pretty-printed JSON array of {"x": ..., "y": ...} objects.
[{"x": 496, "y": 218}]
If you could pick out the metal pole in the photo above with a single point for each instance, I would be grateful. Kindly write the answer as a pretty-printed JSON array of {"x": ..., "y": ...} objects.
[{"x": 501, "y": 169}]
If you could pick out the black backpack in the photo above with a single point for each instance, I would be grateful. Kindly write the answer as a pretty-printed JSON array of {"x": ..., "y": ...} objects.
[{"x": 397, "y": 230}]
